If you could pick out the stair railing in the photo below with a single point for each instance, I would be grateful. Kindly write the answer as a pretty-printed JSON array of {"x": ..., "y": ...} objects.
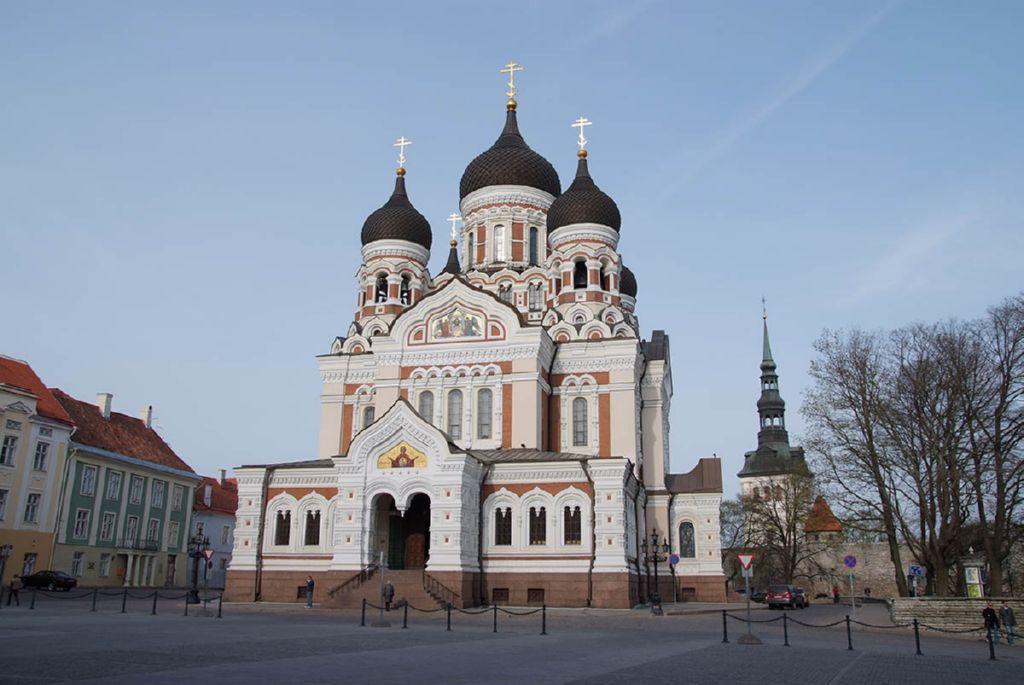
[
  {"x": 438, "y": 590},
  {"x": 364, "y": 574}
]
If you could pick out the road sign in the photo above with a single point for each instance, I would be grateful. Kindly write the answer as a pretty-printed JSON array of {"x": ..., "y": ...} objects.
[
  {"x": 745, "y": 560},
  {"x": 849, "y": 561},
  {"x": 673, "y": 559},
  {"x": 207, "y": 553},
  {"x": 916, "y": 570}
]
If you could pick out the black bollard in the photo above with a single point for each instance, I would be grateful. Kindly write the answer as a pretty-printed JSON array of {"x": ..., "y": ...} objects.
[
  {"x": 362, "y": 616},
  {"x": 33, "y": 604},
  {"x": 991, "y": 648},
  {"x": 405, "y": 615},
  {"x": 186, "y": 604},
  {"x": 849, "y": 635},
  {"x": 2, "y": 588},
  {"x": 917, "y": 637},
  {"x": 154, "y": 602},
  {"x": 124, "y": 600},
  {"x": 449, "y": 606},
  {"x": 785, "y": 630},
  {"x": 543, "y": 619},
  {"x": 495, "y": 618},
  {"x": 220, "y": 605},
  {"x": 725, "y": 628},
  {"x": 95, "y": 591}
]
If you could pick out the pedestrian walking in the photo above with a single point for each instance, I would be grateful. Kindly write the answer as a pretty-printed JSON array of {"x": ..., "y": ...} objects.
[
  {"x": 309, "y": 592},
  {"x": 835, "y": 594},
  {"x": 389, "y": 595},
  {"x": 991, "y": 623},
  {"x": 13, "y": 594},
  {"x": 1009, "y": 621}
]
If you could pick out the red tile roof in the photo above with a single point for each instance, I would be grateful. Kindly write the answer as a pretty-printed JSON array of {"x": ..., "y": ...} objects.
[
  {"x": 120, "y": 433},
  {"x": 821, "y": 519},
  {"x": 223, "y": 498},
  {"x": 19, "y": 374}
]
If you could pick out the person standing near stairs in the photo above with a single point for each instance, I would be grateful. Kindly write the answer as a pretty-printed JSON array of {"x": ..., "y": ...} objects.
[
  {"x": 309, "y": 592},
  {"x": 388, "y": 595}
]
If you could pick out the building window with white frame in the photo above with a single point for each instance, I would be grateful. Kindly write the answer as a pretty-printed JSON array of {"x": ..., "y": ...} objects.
[
  {"x": 534, "y": 247},
  {"x": 41, "y": 456},
  {"x": 572, "y": 526},
  {"x": 503, "y": 526},
  {"x": 88, "y": 485},
  {"x": 3, "y": 503},
  {"x": 153, "y": 534},
  {"x": 114, "y": 479},
  {"x": 425, "y": 401},
  {"x": 484, "y": 413},
  {"x": 455, "y": 414},
  {"x": 225, "y": 535},
  {"x": 107, "y": 526},
  {"x": 283, "y": 527},
  {"x": 82, "y": 524},
  {"x": 687, "y": 541},
  {"x": 579, "y": 422},
  {"x": 173, "y": 534},
  {"x": 28, "y": 566},
  {"x": 32, "y": 507},
  {"x": 534, "y": 292},
  {"x": 177, "y": 498},
  {"x": 538, "y": 526},
  {"x": 369, "y": 414},
  {"x": 499, "y": 243},
  {"x": 135, "y": 489},
  {"x": 312, "y": 536},
  {"x": 131, "y": 530},
  {"x": 8, "y": 449},
  {"x": 159, "y": 490},
  {"x": 76, "y": 564},
  {"x": 104, "y": 565}
]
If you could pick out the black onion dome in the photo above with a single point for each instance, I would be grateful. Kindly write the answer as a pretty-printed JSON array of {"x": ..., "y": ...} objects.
[
  {"x": 627, "y": 282},
  {"x": 583, "y": 203},
  {"x": 397, "y": 220},
  {"x": 510, "y": 162}
]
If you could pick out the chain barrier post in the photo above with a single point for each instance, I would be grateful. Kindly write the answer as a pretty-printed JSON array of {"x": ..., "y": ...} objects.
[
  {"x": 186, "y": 604},
  {"x": 405, "y": 616},
  {"x": 785, "y": 630},
  {"x": 917, "y": 637},
  {"x": 33, "y": 604},
  {"x": 991, "y": 647},
  {"x": 124, "y": 600},
  {"x": 362, "y": 616},
  {"x": 449, "y": 606},
  {"x": 95, "y": 592},
  {"x": 849, "y": 635},
  {"x": 495, "y": 618},
  {"x": 543, "y": 619},
  {"x": 2, "y": 588},
  {"x": 155, "y": 593},
  {"x": 220, "y": 605},
  {"x": 725, "y": 628}
]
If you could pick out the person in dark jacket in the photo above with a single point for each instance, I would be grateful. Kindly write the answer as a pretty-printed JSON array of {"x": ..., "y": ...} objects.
[
  {"x": 1009, "y": 621},
  {"x": 389, "y": 595},
  {"x": 309, "y": 592},
  {"x": 991, "y": 623}
]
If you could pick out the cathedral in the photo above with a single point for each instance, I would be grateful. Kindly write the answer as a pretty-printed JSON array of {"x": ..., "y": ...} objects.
[{"x": 494, "y": 433}]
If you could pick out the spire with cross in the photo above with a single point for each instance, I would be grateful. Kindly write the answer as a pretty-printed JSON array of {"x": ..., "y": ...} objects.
[
  {"x": 400, "y": 144},
  {"x": 454, "y": 218},
  {"x": 511, "y": 68},
  {"x": 582, "y": 141}
]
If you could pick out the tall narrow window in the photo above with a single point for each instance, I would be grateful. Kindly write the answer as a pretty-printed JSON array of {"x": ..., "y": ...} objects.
[
  {"x": 283, "y": 528},
  {"x": 573, "y": 526},
  {"x": 535, "y": 297},
  {"x": 382, "y": 288},
  {"x": 483, "y": 414},
  {"x": 369, "y": 414},
  {"x": 426, "y": 405},
  {"x": 469, "y": 250},
  {"x": 579, "y": 275},
  {"x": 455, "y": 414},
  {"x": 505, "y": 293},
  {"x": 404, "y": 291},
  {"x": 579, "y": 422},
  {"x": 499, "y": 243},
  {"x": 533, "y": 247},
  {"x": 687, "y": 544},
  {"x": 602, "y": 278},
  {"x": 312, "y": 537},
  {"x": 503, "y": 526},
  {"x": 538, "y": 526}
]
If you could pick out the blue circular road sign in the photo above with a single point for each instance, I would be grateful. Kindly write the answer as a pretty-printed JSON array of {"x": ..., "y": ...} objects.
[{"x": 849, "y": 561}]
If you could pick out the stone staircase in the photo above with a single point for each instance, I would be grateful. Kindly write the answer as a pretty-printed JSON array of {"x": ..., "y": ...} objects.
[
  {"x": 950, "y": 613},
  {"x": 408, "y": 586}
]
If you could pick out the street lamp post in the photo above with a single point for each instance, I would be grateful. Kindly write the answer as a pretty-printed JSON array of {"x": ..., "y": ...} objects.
[
  {"x": 197, "y": 546},
  {"x": 655, "y": 553}
]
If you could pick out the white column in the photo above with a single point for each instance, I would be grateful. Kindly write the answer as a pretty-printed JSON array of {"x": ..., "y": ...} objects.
[{"x": 128, "y": 570}]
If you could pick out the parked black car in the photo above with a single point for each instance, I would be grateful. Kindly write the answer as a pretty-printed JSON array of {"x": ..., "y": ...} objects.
[
  {"x": 757, "y": 596},
  {"x": 50, "y": 580}
]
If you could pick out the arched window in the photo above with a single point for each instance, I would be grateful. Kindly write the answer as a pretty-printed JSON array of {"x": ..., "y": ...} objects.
[
  {"x": 687, "y": 543},
  {"x": 505, "y": 293},
  {"x": 573, "y": 534},
  {"x": 403, "y": 293},
  {"x": 483, "y": 414},
  {"x": 499, "y": 243},
  {"x": 503, "y": 526},
  {"x": 283, "y": 527},
  {"x": 579, "y": 422},
  {"x": 579, "y": 275},
  {"x": 426, "y": 405},
  {"x": 455, "y": 414},
  {"x": 538, "y": 526},
  {"x": 535, "y": 296},
  {"x": 312, "y": 536},
  {"x": 469, "y": 250},
  {"x": 369, "y": 414},
  {"x": 534, "y": 248},
  {"x": 382, "y": 288}
]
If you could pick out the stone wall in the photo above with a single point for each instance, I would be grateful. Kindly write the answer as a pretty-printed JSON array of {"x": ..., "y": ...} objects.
[{"x": 951, "y": 613}]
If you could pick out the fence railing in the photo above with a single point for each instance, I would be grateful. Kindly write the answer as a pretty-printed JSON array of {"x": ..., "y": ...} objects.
[
  {"x": 141, "y": 544},
  {"x": 93, "y": 598},
  {"x": 448, "y": 609}
]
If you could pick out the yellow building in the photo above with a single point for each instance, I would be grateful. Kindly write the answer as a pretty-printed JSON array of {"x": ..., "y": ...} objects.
[{"x": 34, "y": 435}]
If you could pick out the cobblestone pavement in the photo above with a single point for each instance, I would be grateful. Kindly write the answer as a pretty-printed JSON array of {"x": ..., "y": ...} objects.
[{"x": 64, "y": 641}]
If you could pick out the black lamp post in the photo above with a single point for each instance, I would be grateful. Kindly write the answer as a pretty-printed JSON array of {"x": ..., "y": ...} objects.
[
  {"x": 197, "y": 545},
  {"x": 655, "y": 553}
]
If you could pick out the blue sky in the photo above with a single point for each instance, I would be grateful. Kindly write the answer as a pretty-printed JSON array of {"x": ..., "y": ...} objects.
[{"x": 182, "y": 187}]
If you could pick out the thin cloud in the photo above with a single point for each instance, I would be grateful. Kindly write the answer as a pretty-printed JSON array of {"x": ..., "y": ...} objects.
[
  {"x": 612, "y": 22},
  {"x": 811, "y": 72}
]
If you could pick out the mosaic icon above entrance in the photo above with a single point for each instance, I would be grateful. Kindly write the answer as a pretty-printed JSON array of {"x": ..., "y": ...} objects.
[{"x": 402, "y": 456}]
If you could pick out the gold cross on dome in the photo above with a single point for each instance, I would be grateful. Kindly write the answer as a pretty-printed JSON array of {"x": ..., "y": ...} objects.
[
  {"x": 453, "y": 219},
  {"x": 511, "y": 68},
  {"x": 580, "y": 123},
  {"x": 400, "y": 144}
]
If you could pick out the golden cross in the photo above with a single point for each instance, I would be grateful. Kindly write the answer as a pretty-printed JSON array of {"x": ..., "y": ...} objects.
[
  {"x": 454, "y": 218},
  {"x": 511, "y": 68},
  {"x": 400, "y": 144},
  {"x": 580, "y": 123}
]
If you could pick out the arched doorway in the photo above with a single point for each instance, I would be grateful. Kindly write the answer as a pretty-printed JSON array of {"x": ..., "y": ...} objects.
[{"x": 405, "y": 540}]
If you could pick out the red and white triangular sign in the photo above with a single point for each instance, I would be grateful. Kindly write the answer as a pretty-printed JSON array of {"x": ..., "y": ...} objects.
[{"x": 745, "y": 559}]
